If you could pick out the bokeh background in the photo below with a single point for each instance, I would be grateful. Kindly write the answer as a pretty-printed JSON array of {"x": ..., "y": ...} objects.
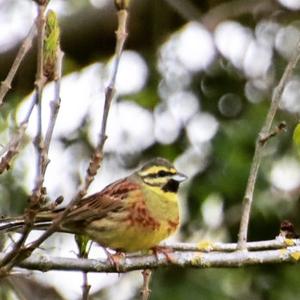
[{"x": 194, "y": 86}]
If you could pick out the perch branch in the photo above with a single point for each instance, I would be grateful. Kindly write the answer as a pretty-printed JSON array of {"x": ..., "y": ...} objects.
[{"x": 195, "y": 259}]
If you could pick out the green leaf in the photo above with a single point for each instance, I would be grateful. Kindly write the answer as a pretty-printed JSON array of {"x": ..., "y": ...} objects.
[{"x": 296, "y": 137}]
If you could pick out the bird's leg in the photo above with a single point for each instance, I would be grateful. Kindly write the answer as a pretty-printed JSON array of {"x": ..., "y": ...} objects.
[
  {"x": 166, "y": 251},
  {"x": 115, "y": 258}
]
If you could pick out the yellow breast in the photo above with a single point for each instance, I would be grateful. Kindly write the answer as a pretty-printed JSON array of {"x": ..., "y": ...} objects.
[{"x": 148, "y": 218}]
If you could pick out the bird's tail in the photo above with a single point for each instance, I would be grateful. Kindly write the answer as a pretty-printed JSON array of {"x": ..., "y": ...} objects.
[{"x": 42, "y": 221}]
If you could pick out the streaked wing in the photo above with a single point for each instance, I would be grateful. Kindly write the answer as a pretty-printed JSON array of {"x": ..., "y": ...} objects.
[{"x": 98, "y": 205}]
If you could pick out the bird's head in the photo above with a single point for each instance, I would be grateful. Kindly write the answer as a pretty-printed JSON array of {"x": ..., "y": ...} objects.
[{"x": 159, "y": 172}]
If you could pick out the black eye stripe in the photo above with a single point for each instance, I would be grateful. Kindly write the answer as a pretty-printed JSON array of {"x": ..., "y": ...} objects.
[{"x": 159, "y": 174}]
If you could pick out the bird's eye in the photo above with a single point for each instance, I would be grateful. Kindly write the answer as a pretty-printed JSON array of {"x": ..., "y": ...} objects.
[{"x": 162, "y": 173}]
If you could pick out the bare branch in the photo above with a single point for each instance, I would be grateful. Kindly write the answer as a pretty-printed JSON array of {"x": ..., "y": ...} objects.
[
  {"x": 85, "y": 286},
  {"x": 55, "y": 104},
  {"x": 39, "y": 86},
  {"x": 25, "y": 46},
  {"x": 12, "y": 148},
  {"x": 265, "y": 132},
  {"x": 84, "y": 246},
  {"x": 207, "y": 246}
]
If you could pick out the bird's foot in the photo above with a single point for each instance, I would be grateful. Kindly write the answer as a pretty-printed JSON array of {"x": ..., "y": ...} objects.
[
  {"x": 166, "y": 251},
  {"x": 115, "y": 258}
]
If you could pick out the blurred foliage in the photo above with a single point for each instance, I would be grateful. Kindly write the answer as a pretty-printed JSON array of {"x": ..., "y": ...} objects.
[{"x": 226, "y": 171}]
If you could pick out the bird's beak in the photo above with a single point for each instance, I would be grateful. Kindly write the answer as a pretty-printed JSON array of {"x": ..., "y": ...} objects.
[{"x": 179, "y": 177}]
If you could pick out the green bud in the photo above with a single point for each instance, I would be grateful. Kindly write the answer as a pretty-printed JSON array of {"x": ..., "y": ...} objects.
[
  {"x": 51, "y": 44},
  {"x": 83, "y": 244}
]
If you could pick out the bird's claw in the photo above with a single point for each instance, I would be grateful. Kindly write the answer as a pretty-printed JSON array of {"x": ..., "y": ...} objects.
[
  {"x": 166, "y": 251},
  {"x": 115, "y": 258}
]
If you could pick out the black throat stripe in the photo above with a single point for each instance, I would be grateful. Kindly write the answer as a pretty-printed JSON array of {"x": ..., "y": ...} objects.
[{"x": 171, "y": 186}]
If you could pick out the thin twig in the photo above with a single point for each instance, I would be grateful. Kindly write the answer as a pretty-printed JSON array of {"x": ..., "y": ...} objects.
[
  {"x": 265, "y": 132},
  {"x": 85, "y": 286},
  {"x": 55, "y": 104},
  {"x": 84, "y": 246},
  {"x": 39, "y": 86},
  {"x": 145, "y": 292},
  {"x": 25, "y": 46},
  {"x": 12, "y": 148},
  {"x": 209, "y": 246}
]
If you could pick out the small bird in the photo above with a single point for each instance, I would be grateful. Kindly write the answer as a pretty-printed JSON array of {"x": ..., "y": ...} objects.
[{"x": 131, "y": 214}]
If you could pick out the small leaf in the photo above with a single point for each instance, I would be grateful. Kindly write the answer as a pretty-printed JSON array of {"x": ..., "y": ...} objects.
[{"x": 296, "y": 137}]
